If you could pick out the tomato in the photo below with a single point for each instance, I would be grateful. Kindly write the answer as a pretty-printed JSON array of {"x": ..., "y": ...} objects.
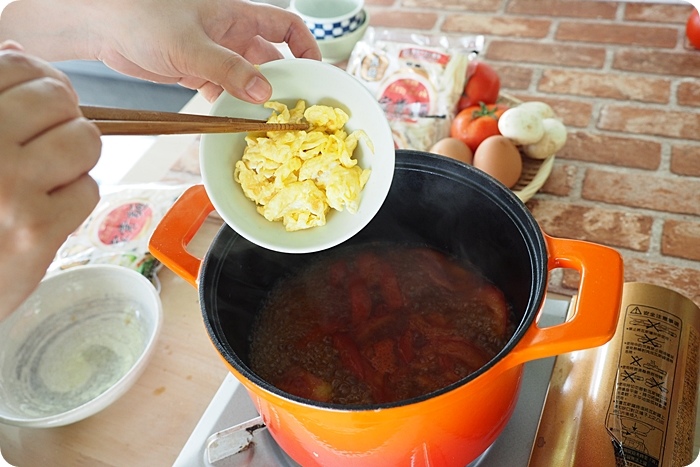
[
  {"x": 692, "y": 29},
  {"x": 360, "y": 301},
  {"x": 304, "y": 384},
  {"x": 483, "y": 85},
  {"x": 349, "y": 354},
  {"x": 476, "y": 123}
]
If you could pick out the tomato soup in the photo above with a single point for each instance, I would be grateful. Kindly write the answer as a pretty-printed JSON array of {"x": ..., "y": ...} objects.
[{"x": 378, "y": 324}]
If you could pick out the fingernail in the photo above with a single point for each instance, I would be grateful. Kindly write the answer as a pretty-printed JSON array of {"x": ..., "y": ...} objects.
[{"x": 258, "y": 89}]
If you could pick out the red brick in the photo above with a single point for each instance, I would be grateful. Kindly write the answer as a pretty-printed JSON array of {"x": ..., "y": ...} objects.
[
  {"x": 612, "y": 150},
  {"x": 565, "y": 8},
  {"x": 605, "y": 226},
  {"x": 687, "y": 45},
  {"x": 510, "y": 26},
  {"x": 681, "y": 239},
  {"x": 380, "y": 2},
  {"x": 513, "y": 76},
  {"x": 572, "y": 113},
  {"x": 648, "y": 191},
  {"x": 403, "y": 19},
  {"x": 616, "y": 33},
  {"x": 606, "y": 85},
  {"x": 657, "y": 12},
  {"x": 688, "y": 93},
  {"x": 684, "y": 280},
  {"x": 546, "y": 53},
  {"x": 662, "y": 63},
  {"x": 685, "y": 160},
  {"x": 568, "y": 284},
  {"x": 461, "y": 5},
  {"x": 561, "y": 180},
  {"x": 650, "y": 121}
]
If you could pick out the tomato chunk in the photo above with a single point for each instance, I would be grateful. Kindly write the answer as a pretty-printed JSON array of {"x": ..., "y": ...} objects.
[
  {"x": 360, "y": 302},
  {"x": 305, "y": 384},
  {"x": 349, "y": 354}
]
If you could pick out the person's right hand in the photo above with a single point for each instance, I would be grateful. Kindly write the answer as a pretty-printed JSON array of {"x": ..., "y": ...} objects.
[
  {"x": 46, "y": 151},
  {"x": 208, "y": 45}
]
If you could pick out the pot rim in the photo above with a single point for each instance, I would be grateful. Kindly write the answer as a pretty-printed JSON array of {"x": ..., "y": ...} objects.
[{"x": 498, "y": 193}]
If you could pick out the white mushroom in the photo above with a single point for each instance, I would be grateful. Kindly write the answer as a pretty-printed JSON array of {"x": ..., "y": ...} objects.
[
  {"x": 540, "y": 108},
  {"x": 521, "y": 125},
  {"x": 553, "y": 140}
]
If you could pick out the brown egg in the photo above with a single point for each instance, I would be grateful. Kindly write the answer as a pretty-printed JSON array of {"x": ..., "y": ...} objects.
[
  {"x": 454, "y": 148},
  {"x": 499, "y": 157}
]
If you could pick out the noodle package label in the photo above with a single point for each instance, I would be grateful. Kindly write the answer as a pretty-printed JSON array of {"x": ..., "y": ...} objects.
[{"x": 416, "y": 79}]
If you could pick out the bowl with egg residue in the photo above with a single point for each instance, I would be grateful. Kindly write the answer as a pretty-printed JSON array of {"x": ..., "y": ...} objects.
[
  {"x": 317, "y": 84},
  {"x": 76, "y": 345}
]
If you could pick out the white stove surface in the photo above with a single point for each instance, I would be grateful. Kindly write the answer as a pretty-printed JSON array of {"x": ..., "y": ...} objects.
[{"x": 231, "y": 406}]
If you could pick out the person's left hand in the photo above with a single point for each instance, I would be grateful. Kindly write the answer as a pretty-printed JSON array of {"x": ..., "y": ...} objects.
[{"x": 47, "y": 149}]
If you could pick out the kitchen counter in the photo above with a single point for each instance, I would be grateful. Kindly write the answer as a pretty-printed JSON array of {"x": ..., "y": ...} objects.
[
  {"x": 149, "y": 424},
  {"x": 626, "y": 84}
]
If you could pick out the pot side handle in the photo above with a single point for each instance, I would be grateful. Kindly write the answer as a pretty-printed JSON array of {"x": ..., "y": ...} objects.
[
  {"x": 169, "y": 241},
  {"x": 594, "y": 317}
]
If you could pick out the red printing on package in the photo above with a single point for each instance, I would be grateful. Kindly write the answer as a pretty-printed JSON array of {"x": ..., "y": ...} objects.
[
  {"x": 124, "y": 223},
  {"x": 424, "y": 55},
  {"x": 405, "y": 97}
]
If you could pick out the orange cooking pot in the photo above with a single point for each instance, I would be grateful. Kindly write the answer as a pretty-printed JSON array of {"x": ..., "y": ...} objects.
[{"x": 433, "y": 201}]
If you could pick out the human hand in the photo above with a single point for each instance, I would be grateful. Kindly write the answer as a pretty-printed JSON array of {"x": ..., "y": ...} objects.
[
  {"x": 209, "y": 45},
  {"x": 46, "y": 151},
  {"x": 209, "y": 49}
]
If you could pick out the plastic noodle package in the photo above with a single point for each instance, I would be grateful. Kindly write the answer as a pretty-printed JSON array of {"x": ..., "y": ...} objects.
[
  {"x": 416, "y": 78},
  {"x": 119, "y": 228}
]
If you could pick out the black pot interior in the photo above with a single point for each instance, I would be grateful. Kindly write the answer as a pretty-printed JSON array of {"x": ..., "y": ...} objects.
[{"x": 433, "y": 201}]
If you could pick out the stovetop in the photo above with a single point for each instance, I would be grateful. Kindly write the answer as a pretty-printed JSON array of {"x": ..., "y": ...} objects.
[{"x": 231, "y": 406}]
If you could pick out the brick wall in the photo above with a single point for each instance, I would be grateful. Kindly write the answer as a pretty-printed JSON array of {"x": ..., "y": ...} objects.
[{"x": 626, "y": 83}]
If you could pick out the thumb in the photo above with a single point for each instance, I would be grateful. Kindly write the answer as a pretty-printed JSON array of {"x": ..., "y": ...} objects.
[
  {"x": 11, "y": 45},
  {"x": 232, "y": 72}
]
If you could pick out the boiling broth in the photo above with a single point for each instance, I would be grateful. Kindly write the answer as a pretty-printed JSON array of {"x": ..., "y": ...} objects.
[{"x": 378, "y": 324}]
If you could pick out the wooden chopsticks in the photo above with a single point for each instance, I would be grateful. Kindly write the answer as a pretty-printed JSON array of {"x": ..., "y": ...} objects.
[{"x": 114, "y": 121}]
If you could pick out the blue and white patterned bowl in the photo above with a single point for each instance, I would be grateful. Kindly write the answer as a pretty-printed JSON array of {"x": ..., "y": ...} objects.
[
  {"x": 330, "y": 19},
  {"x": 339, "y": 49},
  {"x": 327, "y": 30}
]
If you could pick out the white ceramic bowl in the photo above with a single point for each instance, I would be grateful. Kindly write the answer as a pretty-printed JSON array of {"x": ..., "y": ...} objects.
[
  {"x": 76, "y": 345},
  {"x": 316, "y": 83},
  {"x": 339, "y": 49}
]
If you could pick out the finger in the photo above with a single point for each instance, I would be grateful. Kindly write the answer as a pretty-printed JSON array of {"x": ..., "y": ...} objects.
[
  {"x": 261, "y": 51},
  {"x": 33, "y": 107},
  {"x": 74, "y": 202},
  {"x": 211, "y": 91},
  {"x": 17, "y": 67},
  {"x": 125, "y": 66},
  {"x": 278, "y": 25},
  {"x": 301, "y": 42},
  {"x": 11, "y": 45},
  {"x": 39, "y": 231},
  {"x": 61, "y": 155},
  {"x": 51, "y": 217},
  {"x": 231, "y": 71}
]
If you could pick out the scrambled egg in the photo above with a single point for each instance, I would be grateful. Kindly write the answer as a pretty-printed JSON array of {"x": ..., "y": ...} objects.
[{"x": 296, "y": 176}]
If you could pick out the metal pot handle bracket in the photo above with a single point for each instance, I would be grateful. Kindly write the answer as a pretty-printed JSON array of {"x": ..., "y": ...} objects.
[
  {"x": 169, "y": 241},
  {"x": 593, "y": 319}
]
